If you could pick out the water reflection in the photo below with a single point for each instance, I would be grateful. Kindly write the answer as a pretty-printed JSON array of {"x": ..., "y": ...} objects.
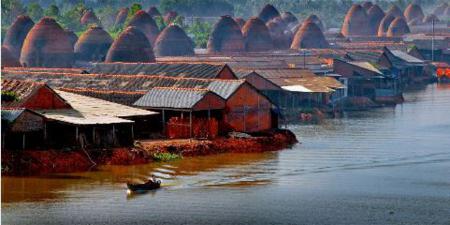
[{"x": 233, "y": 170}]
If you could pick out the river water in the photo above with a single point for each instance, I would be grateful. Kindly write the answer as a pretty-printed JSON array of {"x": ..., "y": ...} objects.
[{"x": 385, "y": 166}]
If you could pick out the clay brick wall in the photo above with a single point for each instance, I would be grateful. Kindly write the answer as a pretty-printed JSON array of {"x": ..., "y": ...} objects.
[
  {"x": 248, "y": 111},
  {"x": 45, "y": 98}
]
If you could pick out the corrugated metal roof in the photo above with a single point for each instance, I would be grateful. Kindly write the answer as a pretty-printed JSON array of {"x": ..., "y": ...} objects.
[
  {"x": 406, "y": 57},
  {"x": 285, "y": 73},
  {"x": 174, "y": 98},
  {"x": 313, "y": 84},
  {"x": 225, "y": 88},
  {"x": 296, "y": 88},
  {"x": 98, "y": 107},
  {"x": 295, "y": 78},
  {"x": 194, "y": 70},
  {"x": 366, "y": 65},
  {"x": 72, "y": 116},
  {"x": 11, "y": 114},
  {"x": 120, "y": 88}
]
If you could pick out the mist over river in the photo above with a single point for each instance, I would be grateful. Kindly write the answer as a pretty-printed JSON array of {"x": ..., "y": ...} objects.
[{"x": 389, "y": 165}]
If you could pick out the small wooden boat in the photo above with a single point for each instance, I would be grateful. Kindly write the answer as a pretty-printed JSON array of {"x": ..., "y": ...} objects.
[{"x": 149, "y": 185}]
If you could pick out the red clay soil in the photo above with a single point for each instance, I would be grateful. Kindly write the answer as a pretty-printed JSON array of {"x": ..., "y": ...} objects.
[
  {"x": 38, "y": 162},
  {"x": 272, "y": 141}
]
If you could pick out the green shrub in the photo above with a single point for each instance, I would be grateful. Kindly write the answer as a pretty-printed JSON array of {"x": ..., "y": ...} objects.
[
  {"x": 165, "y": 156},
  {"x": 9, "y": 96}
]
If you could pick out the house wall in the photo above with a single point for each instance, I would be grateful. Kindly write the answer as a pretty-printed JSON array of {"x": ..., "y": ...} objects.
[
  {"x": 261, "y": 83},
  {"x": 384, "y": 61},
  {"x": 27, "y": 122},
  {"x": 45, "y": 98},
  {"x": 226, "y": 73},
  {"x": 248, "y": 111},
  {"x": 210, "y": 101}
]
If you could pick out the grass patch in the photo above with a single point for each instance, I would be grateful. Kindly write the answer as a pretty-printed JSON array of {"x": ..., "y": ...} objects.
[{"x": 165, "y": 157}]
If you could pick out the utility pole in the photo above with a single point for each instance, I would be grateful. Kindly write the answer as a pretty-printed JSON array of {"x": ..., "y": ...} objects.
[{"x": 432, "y": 40}]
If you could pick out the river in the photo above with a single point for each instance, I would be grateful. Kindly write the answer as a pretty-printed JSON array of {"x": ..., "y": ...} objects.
[{"x": 385, "y": 166}]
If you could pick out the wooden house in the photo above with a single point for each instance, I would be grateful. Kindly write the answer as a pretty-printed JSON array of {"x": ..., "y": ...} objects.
[
  {"x": 368, "y": 79},
  {"x": 409, "y": 69},
  {"x": 247, "y": 109},
  {"x": 43, "y": 117}
]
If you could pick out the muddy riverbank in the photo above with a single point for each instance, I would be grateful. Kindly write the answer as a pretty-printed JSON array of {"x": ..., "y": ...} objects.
[{"x": 38, "y": 162}]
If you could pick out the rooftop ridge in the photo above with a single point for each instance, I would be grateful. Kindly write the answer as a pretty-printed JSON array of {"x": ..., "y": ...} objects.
[
  {"x": 116, "y": 75},
  {"x": 179, "y": 88}
]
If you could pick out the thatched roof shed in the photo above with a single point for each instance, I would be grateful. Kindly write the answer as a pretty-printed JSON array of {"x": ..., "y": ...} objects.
[
  {"x": 121, "y": 17},
  {"x": 395, "y": 11},
  {"x": 367, "y": 5},
  {"x": 173, "y": 41},
  {"x": 384, "y": 24},
  {"x": 89, "y": 17},
  {"x": 356, "y": 22},
  {"x": 93, "y": 45},
  {"x": 226, "y": 37},
  {"x": 375, "y": 14},
  {"x": 289, "y": 18},
  {"x": 131, "y": 46},
  {"x": 398, "y": 28},
  {"x": 240, "y": 21},
  {"x": 440, "y": 9},
  {"x": 281, "y": 37},
  {"x": 153, "y": 11},
  {"x": 413, "y": 11},
  {"x": 268, "y": 12},
  {"x": 144, "y": 22},
  {"x": 47, "y": 45},
  {"x": 170, "y": 17},
  {"x": 9, "y": 59},
  {"x": 72, "y": 36},
  {"x": 256, "y": 35},
  {"x": 430, "y": 18},
  {"x": 315, "y": 19},
  {"x": 16, "y": 34},
  {"x": 309, "y": 36}
]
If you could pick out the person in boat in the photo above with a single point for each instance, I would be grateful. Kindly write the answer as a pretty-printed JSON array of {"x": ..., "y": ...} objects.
[{"x": 153, "y": 179}]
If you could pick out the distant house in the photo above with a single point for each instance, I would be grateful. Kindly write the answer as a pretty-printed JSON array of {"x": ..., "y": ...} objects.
[
  {"x": 408, "y": 68},
  {"x": 427, "y": 49},
  {"x": 295, "y": 88},
  {"x": 366, "y": 79}
]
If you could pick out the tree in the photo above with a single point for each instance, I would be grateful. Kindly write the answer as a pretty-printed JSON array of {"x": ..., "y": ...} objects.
[
  {"x": 134, "y": 8},
  {"x": 10, "y": 10},
  {"x": 52, "y": 11},
  {"x": 200, "y": 32},
  {"x": 71, "y": 18},
  {"x": 35, "y": 11}
]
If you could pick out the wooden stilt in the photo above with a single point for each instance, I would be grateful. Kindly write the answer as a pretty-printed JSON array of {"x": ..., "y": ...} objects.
[
  {"x": 190, "y": 124},
  {"x": 163, "y": 121},
  {"x": 23, "y": 141}
]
